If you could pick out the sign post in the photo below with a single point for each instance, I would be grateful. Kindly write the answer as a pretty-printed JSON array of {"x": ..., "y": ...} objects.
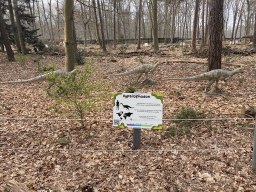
[{"x": 137, "y": 110}]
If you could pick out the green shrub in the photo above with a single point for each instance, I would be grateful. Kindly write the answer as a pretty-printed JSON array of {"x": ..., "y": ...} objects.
[
  {"x": 187, "y": 113},
  {"x": 22, "y": 59},
  {"x": 63, "y": 141},
  {"x": 77, "y": 95}
]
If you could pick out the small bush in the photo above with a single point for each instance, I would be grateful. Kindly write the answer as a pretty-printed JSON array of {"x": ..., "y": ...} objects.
[
  {"x": 187, "y": 113},
  {"x": 63, "y": 141},
  {"x": 185, "y": 49},
  {"x": 22, "y": 59},
  {"x": 130, "y": 89},
  {"x": 80, "y": 55},
  {"x": 173, "y": 131}
]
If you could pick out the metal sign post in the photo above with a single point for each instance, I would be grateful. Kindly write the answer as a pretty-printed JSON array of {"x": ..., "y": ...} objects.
[
  {"x": 136, "y": 137},
  {"x": 254, "y": 147}
]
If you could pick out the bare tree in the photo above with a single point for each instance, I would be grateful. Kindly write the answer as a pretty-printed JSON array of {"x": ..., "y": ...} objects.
[
  {"x": 195, "y": 21},
  {"x": 16, "y": 37},
  {"x": 102, "y": 29},
  {"x": 6, "y": 39},
  {"x": 139, "y": 24},
  {"x": 18, "y": 24},
  {"x": 215, "y": 34},
  {"x": 68, "y": 35},
  {"x": 254, "y": 34},
  {"x": 155, "y": 26}
]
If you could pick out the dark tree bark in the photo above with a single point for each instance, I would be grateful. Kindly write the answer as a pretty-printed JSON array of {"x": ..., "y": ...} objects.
[
  {"x": 155, "y": 26},
  {"x": 16, "y": 38},
  {"x": 139, "y": 24},
  {"x": 254, "y": 34},
  {"x": 114, "y": 24},
  {"x": 6, "y": 39},
  {"x": 18, "y": 24},
  {"x": 96, "y": 22},
  {"x": 102, "y": 29},
  {"x": 215, "y": 34},
  {"x": 195, "y": 23}
]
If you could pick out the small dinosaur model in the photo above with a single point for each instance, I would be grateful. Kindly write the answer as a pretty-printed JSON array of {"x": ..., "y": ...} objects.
[
  {"x": 213, "y": 76},
  {"x": 126, "y": 106},
  {"x": 42, "y": 77},
  {"x": 144, "y": 68}
]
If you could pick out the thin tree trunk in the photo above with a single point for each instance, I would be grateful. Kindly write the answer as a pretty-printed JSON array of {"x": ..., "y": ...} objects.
[
  {"x": 202, "y": 42},
  {"x": 102, "y": 28},
  {"x": 139, "y": 24},
  {"x": 46, "y": 21},
  {"x": 234, "y": 20},
  {"x": 39, "y": 17},
  {"x": 155, "y": 26},
  {"x": 114, "y": 24},
  {"x": 18, "y": 24},
  {"x": 239, "y": 19},
  {"x": 173, "y": 20},
  {"x": 58, "y": 19},
  {"x": 5, "y": 38},
  {"x": 254, "y": 34},
  {"x": 215, "y": 34},
  {"x": 68, "y": 35},
  {"x": 195, "y": 21},
  {"x": 96, "y": 22},
  {"x": 50, "y": 7},
  {"x": 16, "y": 37},
  {"x": 206, "y": 35}
]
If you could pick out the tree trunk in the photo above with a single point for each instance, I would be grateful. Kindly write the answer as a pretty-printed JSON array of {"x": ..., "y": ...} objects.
[
  {"x": 239, "y": 19},
  {"x": 114, "y": 24},
  {"x": 206, "y": 35},
  {"x": 155, "y": 26},
  {"x": 139, "y": 24},
  {"x": 215, "y": 34},
  {"x": 202, "y": 42},
  {"x": 58, "y": 19},
  {"x": 254, "y": 34},
  {"x": 18, "y": 24},
  {"x": 102, "y": 28},
  {"x": 46, "y": 21},
  {"x": 6, "y": 39},
  {"x": 68, "y": 35},
  {"x": 173, "y": 20},
  {"x": 195, "y": 21},
  {"x": 39, "y": 17},
  {"x": 234, "y": 20},
  {"x": 50, "y": 6},
  {"x": 96, "y": 22},
  {"x": 16, "y": 37}
]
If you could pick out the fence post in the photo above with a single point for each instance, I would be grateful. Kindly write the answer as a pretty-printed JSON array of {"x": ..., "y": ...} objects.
[
  {"x": 136, "y": 137},
  {"x": 254, "y": 146}
]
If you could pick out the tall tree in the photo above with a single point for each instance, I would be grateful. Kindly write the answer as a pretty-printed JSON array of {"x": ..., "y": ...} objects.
[
  {"x": 139, "y": 24},
  {"x": 195, "y": 23},
  {"x": 6, "y": 39},
  {"x": 215, "y": 34},
  {"x": 102, "y": 28},
  {"x": 68, "y": 35},
  {"x": 18, "y": 24},
  {"x": 16, "y": 37},
  {"x": 254, "y": 34},
  {"x": 155, "y": 26}
]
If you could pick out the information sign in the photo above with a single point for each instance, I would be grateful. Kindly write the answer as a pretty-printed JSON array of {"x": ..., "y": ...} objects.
[{"x": 138, "y": 110}]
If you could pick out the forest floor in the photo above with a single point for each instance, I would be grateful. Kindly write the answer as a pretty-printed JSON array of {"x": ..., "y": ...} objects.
[{"x": 186, "y": 161}]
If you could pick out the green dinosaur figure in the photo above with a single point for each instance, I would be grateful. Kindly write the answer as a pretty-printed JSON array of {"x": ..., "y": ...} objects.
[
  {"x": 144, "y": 68},
  {"x": 213, "y": 76},
  {"x": 43, "y": 77}
]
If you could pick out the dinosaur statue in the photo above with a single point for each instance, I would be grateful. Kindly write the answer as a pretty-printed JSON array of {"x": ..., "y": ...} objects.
[
  {"x": 144, "y": 68},
  {"x": 43, "y": 77},
  {"x": 213, "y": 76}
]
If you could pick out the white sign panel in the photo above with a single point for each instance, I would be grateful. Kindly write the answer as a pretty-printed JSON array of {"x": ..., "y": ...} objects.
[{"x": 138, "y": 110}]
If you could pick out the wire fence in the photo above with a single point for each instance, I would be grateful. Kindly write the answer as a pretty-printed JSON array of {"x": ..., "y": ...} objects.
[{"x": 118, "y": 150}]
